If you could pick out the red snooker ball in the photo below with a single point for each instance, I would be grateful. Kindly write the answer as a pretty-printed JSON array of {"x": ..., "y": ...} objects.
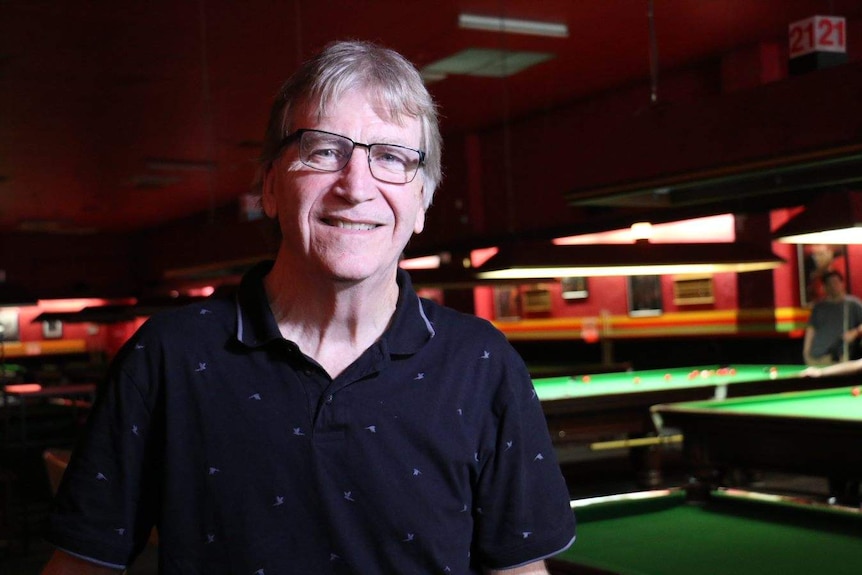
[
  {"x": 586, "y": 379},
  {"x": 855, "y": 392}
]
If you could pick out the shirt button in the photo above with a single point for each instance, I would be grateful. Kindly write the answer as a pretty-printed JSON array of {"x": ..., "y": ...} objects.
[{"x": 329, "y": 398}]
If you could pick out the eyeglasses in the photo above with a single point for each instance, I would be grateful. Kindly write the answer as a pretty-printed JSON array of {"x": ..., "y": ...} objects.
[{"x": 330, "y": 152}]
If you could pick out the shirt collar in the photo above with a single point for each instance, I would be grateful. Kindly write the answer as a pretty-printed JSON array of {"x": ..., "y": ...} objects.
[
  {"x": 409, "y": 330},
  {"x": 255, "y": 324}
]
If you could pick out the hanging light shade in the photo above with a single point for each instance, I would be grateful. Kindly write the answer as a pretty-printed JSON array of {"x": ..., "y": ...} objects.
[
  {"x": 545, "y": 260},
  {"x": 831, "y": 218}
]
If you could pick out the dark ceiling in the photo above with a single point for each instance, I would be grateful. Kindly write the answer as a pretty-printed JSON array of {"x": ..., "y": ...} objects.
[{"x": 121, "y": 116}]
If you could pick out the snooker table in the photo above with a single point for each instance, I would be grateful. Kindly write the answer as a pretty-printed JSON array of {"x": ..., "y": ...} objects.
[
  {"x": 661, "y": 532},
  {"x": 815, "y": 432},
  {"x": 612, "y": 410}
]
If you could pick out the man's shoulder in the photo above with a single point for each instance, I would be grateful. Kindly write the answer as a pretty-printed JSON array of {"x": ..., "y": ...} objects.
[
  {"x": 449, "y": 323},
  {"x": 205, "y": 316},
  {"x": 446, "y": 316}
]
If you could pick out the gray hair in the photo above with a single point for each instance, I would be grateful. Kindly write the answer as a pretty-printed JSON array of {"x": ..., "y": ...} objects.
[{"x": 345, "y": 66}]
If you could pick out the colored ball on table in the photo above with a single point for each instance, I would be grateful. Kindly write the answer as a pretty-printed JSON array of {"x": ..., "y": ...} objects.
[
  {"x": 637, "y": 379},
  {"x": 586, "y": 379},
  {"x": 855, "y": 391},
  {"x": 667, "y": 377}
]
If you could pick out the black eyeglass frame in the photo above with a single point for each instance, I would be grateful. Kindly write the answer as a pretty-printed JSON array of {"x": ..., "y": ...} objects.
[{"x": 297, "y": 135}]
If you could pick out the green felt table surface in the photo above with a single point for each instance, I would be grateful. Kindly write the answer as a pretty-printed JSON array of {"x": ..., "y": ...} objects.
[
  {"x": 728, "y": 535},
  {"x": 585, "y": 385},
  {"x": 838, "y": 403}
]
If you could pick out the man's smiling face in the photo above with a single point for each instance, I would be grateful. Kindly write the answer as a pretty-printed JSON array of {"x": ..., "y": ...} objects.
[{"x": 345, "y": 225}]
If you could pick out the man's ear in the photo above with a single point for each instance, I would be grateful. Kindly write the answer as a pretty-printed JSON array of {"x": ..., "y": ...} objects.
[
  {"x": 267, "y": 195},
  {"x": 419, "y": 222}
]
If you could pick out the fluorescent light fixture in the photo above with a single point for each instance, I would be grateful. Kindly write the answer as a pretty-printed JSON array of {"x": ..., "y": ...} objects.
[
  {"x": 842, "y": 236},
  {"x": 641, "y": 231},
  {"x": 512, "y": 26},
  {"x": 544, "y": 261},
  {"x": 630, "y": 270},
  {"x": 484, "y": 62},
  {"x": 421, "y": 263},
  {"x": 709, "y": 229},
  {"x": 832, "y": 218}
]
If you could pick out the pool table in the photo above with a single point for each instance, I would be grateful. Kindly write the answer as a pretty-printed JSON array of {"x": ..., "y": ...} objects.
[
  {"x": 815, "y": 432},
  {"x": 597, "y": 410},
  {"x": 661, "y": 532}
]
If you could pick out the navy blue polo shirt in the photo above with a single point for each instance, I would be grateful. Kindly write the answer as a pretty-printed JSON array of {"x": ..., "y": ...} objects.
[{"x": 429, "y": 454}]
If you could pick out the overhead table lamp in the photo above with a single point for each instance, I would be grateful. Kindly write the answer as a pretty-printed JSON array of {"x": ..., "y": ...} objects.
[
  {"x": 546, "y": 260},
  {"x": 831, "y": 218}
]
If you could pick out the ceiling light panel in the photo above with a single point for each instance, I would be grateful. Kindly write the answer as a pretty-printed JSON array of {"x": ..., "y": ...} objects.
[
  {"x": 512, "y": 26},
  {"x": 485, "y": 62}
]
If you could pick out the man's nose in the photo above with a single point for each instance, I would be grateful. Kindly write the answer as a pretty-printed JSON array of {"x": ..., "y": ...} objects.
[{"x": 358, "y": 183}]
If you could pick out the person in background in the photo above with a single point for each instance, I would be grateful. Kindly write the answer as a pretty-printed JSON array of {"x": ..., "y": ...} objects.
[
  {"x": 819, "y": 260},
  {"x": 841, "y": 489},
  {"x": 834, "y": 324},
  {"x": 326, "y": 420}
]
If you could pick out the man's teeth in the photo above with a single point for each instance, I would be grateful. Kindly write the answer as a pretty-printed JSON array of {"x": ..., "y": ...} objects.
[{"x": 353, "y": 226}]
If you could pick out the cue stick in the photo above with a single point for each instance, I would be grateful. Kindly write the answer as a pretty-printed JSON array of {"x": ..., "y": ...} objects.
[{"x": 636, "y": 442}]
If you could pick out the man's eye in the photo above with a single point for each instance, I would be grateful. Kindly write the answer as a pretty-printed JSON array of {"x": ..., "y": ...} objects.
[
  {"x": 326, "y": 153},
  {"x": 391, "y": 156}
]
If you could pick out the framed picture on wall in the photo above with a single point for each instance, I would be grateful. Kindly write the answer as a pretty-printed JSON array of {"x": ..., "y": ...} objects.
[
  {"x": 52, "y": 329},
  {"x": 574, "y": 288},
  {"x": 644, "y": 295},
  {"x": 9, "y": 325},
  {"x": 536, "y": 300},
  {"x": 814, "y": 261},
  {"x": 506, "y": 303}
]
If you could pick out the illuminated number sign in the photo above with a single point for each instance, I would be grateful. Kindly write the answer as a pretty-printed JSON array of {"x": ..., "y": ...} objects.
[{"x": 818, "y": 34}]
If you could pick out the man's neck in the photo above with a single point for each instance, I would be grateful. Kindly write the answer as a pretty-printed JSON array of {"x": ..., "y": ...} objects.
[{"x": 331, "y": 322}]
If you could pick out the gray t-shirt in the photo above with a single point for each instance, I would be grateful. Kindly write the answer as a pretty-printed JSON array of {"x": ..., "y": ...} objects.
[{"x": 830, "y": 319}]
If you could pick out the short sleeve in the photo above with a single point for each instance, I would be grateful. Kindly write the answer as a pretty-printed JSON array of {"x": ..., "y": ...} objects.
[
  {"x": 523, "y": 506},
  {"x": 105, "y": 506}
]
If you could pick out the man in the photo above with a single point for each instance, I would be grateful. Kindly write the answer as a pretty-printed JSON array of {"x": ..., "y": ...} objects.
[
  {"x": 328, "y": 420},
  {"x": 834, "y": 324}
]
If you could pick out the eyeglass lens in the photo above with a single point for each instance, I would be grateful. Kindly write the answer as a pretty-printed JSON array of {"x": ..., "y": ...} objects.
[{"x": 331, "y": 152}]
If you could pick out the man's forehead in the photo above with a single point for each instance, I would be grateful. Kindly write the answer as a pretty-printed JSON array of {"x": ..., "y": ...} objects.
[{"x": 319, "y": 110}]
